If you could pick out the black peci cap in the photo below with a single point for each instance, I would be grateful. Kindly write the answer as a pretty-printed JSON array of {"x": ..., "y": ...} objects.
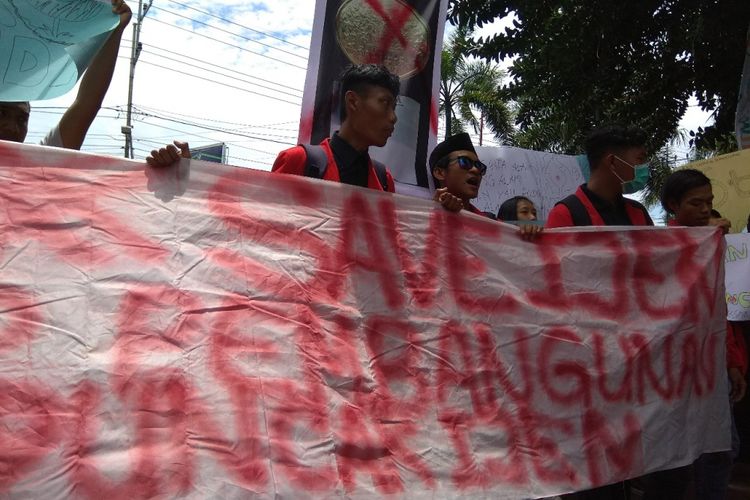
[{"x": 453, "y": 143}]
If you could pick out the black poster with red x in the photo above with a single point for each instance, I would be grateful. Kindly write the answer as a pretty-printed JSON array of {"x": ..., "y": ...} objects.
[{"x": 405, "y": 36}]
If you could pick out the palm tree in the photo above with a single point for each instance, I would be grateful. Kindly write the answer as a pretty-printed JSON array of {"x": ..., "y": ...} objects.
[
  {"x": 468, "y": 88},
  {"x": 661, "y": 165},
  {"x": 664, "y": 162}
]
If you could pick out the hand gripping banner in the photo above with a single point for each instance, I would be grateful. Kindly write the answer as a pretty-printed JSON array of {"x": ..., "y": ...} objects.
[{"x": 216, "y": 332}]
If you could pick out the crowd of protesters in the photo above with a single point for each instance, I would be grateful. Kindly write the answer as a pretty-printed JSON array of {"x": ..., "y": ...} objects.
[{"x": 618, "y": 164}]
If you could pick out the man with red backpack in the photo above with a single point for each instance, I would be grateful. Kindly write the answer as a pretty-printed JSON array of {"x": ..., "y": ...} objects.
[
  {"x": 369, "y": 94},
  {"x": 617, "y": 158}
]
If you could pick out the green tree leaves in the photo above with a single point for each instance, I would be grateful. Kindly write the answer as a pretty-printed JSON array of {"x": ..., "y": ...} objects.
[{"x": 470, "y": 91}]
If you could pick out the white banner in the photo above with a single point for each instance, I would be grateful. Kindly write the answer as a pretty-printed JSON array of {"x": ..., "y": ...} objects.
[{"x": 216, "y": 332}]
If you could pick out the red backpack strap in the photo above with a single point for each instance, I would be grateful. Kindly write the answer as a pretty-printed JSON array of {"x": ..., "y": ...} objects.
[
  {"x": 578, "y": 213},
  {"x": 637, "y": 213},
  {"x": 596, "y": 219}
]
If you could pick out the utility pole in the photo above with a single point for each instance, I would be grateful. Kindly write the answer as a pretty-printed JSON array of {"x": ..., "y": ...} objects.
[{"x": 135, "y": 52}]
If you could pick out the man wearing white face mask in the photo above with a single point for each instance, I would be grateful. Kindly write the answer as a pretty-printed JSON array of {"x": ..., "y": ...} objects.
[{"x": 617, "y": 158}]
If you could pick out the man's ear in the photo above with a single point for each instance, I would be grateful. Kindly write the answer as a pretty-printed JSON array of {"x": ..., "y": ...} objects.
[
  {"x": 351, "y": 101},
  {"x": 673, "y": 206},
  {"x": 609, "y": 160},
  {"x": 439, "y": 173}
]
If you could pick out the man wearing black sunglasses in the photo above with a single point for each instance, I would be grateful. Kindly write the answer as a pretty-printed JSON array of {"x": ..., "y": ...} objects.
[{"x": 457, "y": 173}]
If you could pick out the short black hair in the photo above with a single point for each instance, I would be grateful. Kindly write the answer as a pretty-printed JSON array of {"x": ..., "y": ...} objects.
[
  {"x": 357, "y": 77},
  {"x": 612, "y": 138},
  {"x": 509, "y": 208},
  {"x": 679, "y": 183}
]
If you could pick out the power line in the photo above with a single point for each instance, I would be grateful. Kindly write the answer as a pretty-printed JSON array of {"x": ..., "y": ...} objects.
[
  {"x": 223, "y": 84},
  {"x": 183, "y": 56},
  {"x": 269, "y": 126},
  {"x": 288, "y": 139},
  {"x": 230, "y": 33},
  {"x": 286, "y": 143},
  {"x": 210, "y": 142},
  {"x": 63, "y": 112},
  {"x": 196, "y": 124},
  {"x": 240, "y": 25},
  {"x": 252, "y": 161},
  {"x": 290, "y": 133},
  {"x": 262, "y": 139},
  {"x": 219, "y": 83},
  {"x": 226, "y": 76},
  {"x": 167, "y": 139},
  {"x": 142, "y": 151},
  {"x": 229, "y": 44},
  {"x": 119, "y": 108},
  {"x": 146, "y": 153},
  {"x": 142, "y": 114},
  {"x": 59, "y": 110},
  {"x": 234, "y": 142}
]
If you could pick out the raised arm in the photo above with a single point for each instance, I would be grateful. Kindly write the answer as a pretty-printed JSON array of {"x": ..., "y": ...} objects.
[{"x": 80, "y": 115}]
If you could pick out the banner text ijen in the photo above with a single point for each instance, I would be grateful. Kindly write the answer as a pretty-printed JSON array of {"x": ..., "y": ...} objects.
[{"x": 208, "y": 331}]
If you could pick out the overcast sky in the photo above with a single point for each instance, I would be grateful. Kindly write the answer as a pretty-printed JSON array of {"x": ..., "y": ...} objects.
[{"x": 213, "y": 71}]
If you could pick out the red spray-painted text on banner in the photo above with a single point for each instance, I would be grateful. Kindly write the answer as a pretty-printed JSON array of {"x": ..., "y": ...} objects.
[{"x": 210, "y": 331}]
